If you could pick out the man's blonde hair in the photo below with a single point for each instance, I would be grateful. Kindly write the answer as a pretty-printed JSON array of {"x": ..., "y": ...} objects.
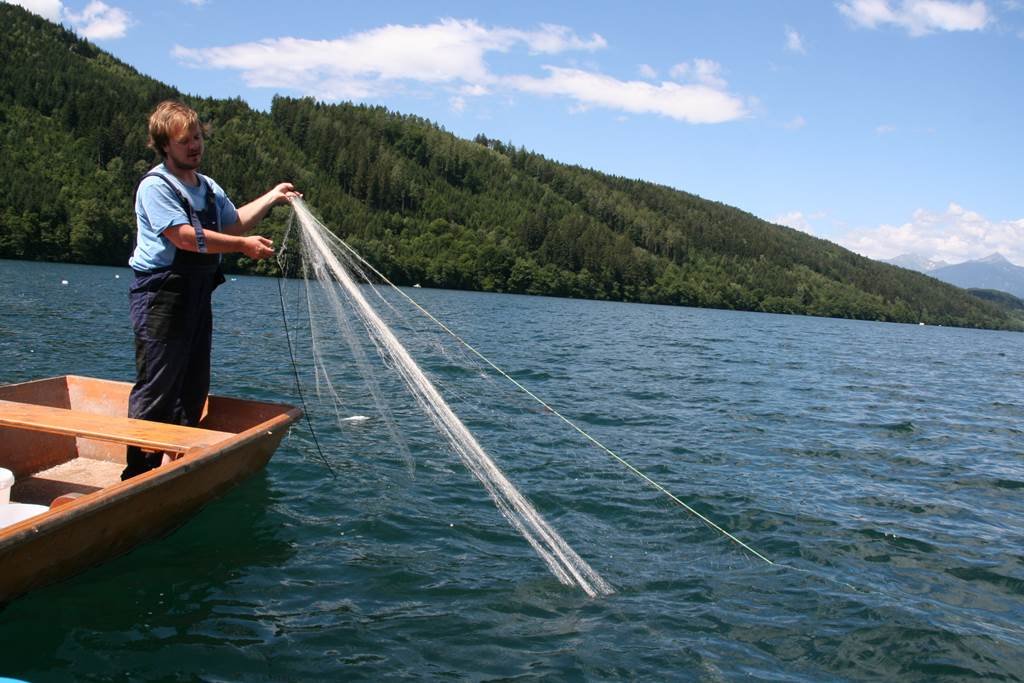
[{"x": 169, "y": 117}]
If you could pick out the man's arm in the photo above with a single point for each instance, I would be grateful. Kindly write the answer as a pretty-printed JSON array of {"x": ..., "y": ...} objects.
[
  {"x": 255, "y": 247},
  {"x": 255, "y": 211},
  {"x": 232, "y": 238}
]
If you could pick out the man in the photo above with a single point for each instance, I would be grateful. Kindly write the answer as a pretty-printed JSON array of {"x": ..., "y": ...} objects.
[{"x": 185, "y": 222}]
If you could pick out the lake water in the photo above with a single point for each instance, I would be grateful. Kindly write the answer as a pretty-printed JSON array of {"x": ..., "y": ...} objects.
[{"x": 880, "y": 466}]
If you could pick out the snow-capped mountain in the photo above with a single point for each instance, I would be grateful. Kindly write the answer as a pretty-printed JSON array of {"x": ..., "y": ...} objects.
[{"x": 922, "y": 264}]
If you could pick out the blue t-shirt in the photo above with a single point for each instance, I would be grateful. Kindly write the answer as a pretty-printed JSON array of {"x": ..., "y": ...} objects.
[{"x": 158, "y": 208}]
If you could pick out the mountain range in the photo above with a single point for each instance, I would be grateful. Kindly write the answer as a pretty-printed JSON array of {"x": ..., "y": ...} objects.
[
  {"x": 992, "y": 272},
  {"x": 921, "y": 264}
]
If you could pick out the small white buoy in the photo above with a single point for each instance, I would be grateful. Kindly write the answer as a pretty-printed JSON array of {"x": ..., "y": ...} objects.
[
  {"x": 417, "y": 286},
  {"x": 116, "y": 276},
  {"x": 234, "y": 279},
  {"x": 63, "y": 282}
]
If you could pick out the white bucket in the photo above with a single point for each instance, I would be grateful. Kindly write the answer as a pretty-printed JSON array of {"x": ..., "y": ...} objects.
[
  {"x": 12, "y": 513},
  {"x": 6, "y": 482}
]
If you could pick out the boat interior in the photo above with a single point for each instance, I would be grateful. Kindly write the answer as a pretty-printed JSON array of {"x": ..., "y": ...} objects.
[{"x": 65, "y": 437}]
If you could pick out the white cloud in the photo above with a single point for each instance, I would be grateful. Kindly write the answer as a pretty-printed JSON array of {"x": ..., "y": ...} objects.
[
  {"x": 954, "y": 235},
  {"x": 99, "y": 21},
  {"x": 705, "y": 71},
  {"x": 373, "y": 62},
  {"x": 475, "y": 90},
  {"x": 552, "y": 39},
  {"x": 579, "y": 108},
  {"x": 796, "y": 123},
  {"x": 647, "y": 71},
  {"x": 692, "y": 103},
  {"x": 450, "y": 55},
  {"x": 885, "y": 129},
  {"x": 47, "y": 9},
  {"x": 796, "y": 220},
  {"x": 918, "y": 17},
  {"x": 458, "y": 103},
  {"x": 794, "y": 43},
  {"x": 868, "y": 13}
]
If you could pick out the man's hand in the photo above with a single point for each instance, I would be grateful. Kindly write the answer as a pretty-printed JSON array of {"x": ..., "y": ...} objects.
[
  {"x": 253, "y": 212},
  {"x": 257, "y": 248},
  {"x": 283, "y": 192}
]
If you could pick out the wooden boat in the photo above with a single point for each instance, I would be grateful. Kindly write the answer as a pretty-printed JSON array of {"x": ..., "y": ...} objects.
[{"x": 64, "y": 440}]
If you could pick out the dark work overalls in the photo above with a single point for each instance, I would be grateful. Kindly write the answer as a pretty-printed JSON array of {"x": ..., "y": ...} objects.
[{"x": 173, "y": 324}]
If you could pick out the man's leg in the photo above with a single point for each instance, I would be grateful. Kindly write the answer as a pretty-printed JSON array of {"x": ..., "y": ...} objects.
[
  {"x": 196, "y": 381},
  {"x": 158, "y": 312}
]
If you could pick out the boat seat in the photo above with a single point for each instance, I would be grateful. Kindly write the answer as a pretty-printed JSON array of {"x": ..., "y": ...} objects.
[{"x": 124, "y": 430}]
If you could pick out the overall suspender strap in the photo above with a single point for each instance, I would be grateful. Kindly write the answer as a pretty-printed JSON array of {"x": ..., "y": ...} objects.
[{"x": 187, "y": 205}]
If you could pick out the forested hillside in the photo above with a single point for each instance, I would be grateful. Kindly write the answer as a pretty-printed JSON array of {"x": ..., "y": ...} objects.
[{"x": 421, "y": 204}]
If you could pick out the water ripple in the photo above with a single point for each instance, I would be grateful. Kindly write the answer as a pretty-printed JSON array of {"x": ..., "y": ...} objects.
[{"x": 879, "y": 466}]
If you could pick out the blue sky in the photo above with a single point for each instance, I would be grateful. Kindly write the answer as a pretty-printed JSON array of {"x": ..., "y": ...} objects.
[{"x": 888, "y": 126}]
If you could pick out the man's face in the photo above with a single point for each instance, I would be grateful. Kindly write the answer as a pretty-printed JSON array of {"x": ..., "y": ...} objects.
[{"x": 185, "y": 148}]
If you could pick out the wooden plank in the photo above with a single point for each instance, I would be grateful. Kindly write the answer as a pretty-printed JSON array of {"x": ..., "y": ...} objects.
[{"x": 154, "y": 435}]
